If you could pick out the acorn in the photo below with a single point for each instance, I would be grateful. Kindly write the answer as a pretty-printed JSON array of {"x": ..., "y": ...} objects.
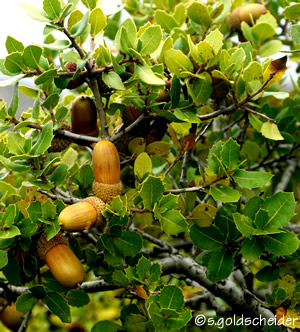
[
  {"x": 82, "y": 215},
  {"x": 84, "y": 118},
  {"x": 106, "y": 162},
  {"x": 60, "y": 142},
  {"x": 244, "y": 14},
  {"x": 122, "y": 142},
  {"x": 10, "y": 317},
  {"x": 60, "y": 259}
]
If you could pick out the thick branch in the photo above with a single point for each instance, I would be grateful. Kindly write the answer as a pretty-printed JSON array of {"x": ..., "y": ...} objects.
[
  {"x": 286, "y": 176},
  {"x": 227, "y": 289}
]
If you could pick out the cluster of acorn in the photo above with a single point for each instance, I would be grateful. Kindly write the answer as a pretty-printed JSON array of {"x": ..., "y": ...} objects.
[{"x": 60, "y": 259}]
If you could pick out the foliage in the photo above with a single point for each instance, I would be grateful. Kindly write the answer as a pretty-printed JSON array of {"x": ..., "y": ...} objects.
[{"x": 209, "y": 167}]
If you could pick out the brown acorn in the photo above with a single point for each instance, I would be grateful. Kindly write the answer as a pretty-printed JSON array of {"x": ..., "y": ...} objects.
[
  {"x": 106, "y": 162},
  {"x": 10, "y": 317},
  {"x": 245, "y": 14},
  {"x": 60, "y": 142},
  {"x": 82, "y": 215},
  {"x": 84, "y": 118},
  {"x": 62, "y": 262}
]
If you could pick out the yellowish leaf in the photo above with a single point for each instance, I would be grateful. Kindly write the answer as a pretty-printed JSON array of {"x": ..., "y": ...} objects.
[
  {"x": 271, "y": 131},
  {"x": 278, "y": 67}
]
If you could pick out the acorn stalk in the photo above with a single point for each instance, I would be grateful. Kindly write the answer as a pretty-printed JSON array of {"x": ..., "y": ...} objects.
[
  {"x": 61, "y": 260},
  {"x": 106, "y": 162},
  {"x": 82, "y": 215}
]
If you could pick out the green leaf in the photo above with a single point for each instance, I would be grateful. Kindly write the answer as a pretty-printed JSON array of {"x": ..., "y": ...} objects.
[
  {"x": 130, "y": 29},
  {"x": 44, "y": 140},
  {"x": 58, "y": 306},
  {"x": 97, "y": 20},
  {"x": 244, "y": 224},
  {"x": 28, "y": 227},
  {"x": 268, "y": 273},
  {"x": 105, "y": 325},
  {"x": 8, "y": 216},
  {"x": 252, "y": 206},
  {"x": 251, "y": 179},
  {"x": 224, "y": 194},
  {"x": 47, "y": 75},
  {"x": 178, "y": 62},
  {"x": 215, "y": 151},
  {"x": 119, "y": 278},
  {"x": 186, "y": 116},
  {"x": 34, "y": 210},
  {"x": 281, "y": 244},
  {"x": 3, "y": 259},
  {"x": 14, "y": 166},
  {"x": 36, "y": 13},
  {"x": 271, "y": 47},
  {"x": 155, "y": 272},
  {"x": 12, "y": 80},
  {"x": 150, "y": 39},
  {"x": 280, "y": 209},
  {"x": 51, "y": 101},
  {"x": 158, "y": 148},
  {"x": 151, "y": 191},
  {"x": 142, "y": 165},
  {"x": 165, "y": 20},
  {"x": 14, "y": 104},
  {"x": 77, "y": 298},
  {"x": 295, "y": 33},
  {"x": 198, "y": 12},
  {"x": 173, "y": 222},
  {"x": 31, "y": 56},
  {"x": 181, "y": 321},
  {"x": 200, "y": 88},
  {"x": 270, "y": 130},
  {"x": 113, "y": 80},
  {"x": 13, "y": 45},
  {"x": 208, "y": 238},
  {"x": 230, "y": 154},
  {"x": 292, "y": 13},
  {"x": 143, "y": 268},
  {"x": 220, "y": 265},
  {"x": 146, "y": 75},
  {"x": 129, "y": 244},
  {"x": 52, "y": 8},
  {"x": 58, "y": 45},
  {"x": 10, "y": 233},
  {"x": 263, "y": 31},
  {"x": 90, "y": 4},
  {"x": 171, "y": 297},
  {"x": 78, "y": 28},
  {"x": 26, "y": 302},
  {"x": 215, "y": 40},
  {"x": 252, "y": 249},
  {"x": 29, "y": 92},
  {"x": 48, "y": 210}
]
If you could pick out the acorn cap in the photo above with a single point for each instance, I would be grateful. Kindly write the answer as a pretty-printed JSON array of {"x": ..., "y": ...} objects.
[
  {"x": 107, "y": 192},
  {"x": 84, "y": 116},
  {"x": 60, "y": 142},
  {"x": 98, "y": 205},
  {"x": 44, "y": 245},
  {"x": 106, "y": 163}
]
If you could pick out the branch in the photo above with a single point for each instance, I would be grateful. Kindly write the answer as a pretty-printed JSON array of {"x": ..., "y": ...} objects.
[
  {"x": 184, "y": 190},
  {"x": 162, "y": 244},
  {"x": 233, "y": 107},
  {"x": 128, "y": 128},
  {"x": 286, "y": 176},
  {"x": 65, "y": 199},
  {"x": 24, "y": 324},
  {"x": 96, "y": 286},
  {"x": 258, "y": 114},
  {"x": 226, "y": 289},
  {"x": 78, "y": 136}
]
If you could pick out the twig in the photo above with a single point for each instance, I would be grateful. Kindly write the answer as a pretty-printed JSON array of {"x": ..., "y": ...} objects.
[
  {"x": 174, "y": 163},
  {"x": 67, "y": 200},
  {"x": 184, "y": 168},
  {"x": 175, "y": 186},
  {"x": 233, "y": 107},
  {"x": 202, "y": 131},
  {"x": 286, "y": 176},
  {"x": 24, "y": 324},
  {"x": 128, "y": 128},
  {"x": 184, "y": 190},
  {"x": 258, "y": 114},
  {"x": 162, "y": 244},
  {"x": 97, "y": 286},
  {"x": 102, "y": 116},
  {"x": 78, "y": 136}
]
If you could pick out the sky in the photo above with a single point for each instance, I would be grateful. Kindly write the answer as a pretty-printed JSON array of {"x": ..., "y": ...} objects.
[{"x": 16, "y": 23}]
